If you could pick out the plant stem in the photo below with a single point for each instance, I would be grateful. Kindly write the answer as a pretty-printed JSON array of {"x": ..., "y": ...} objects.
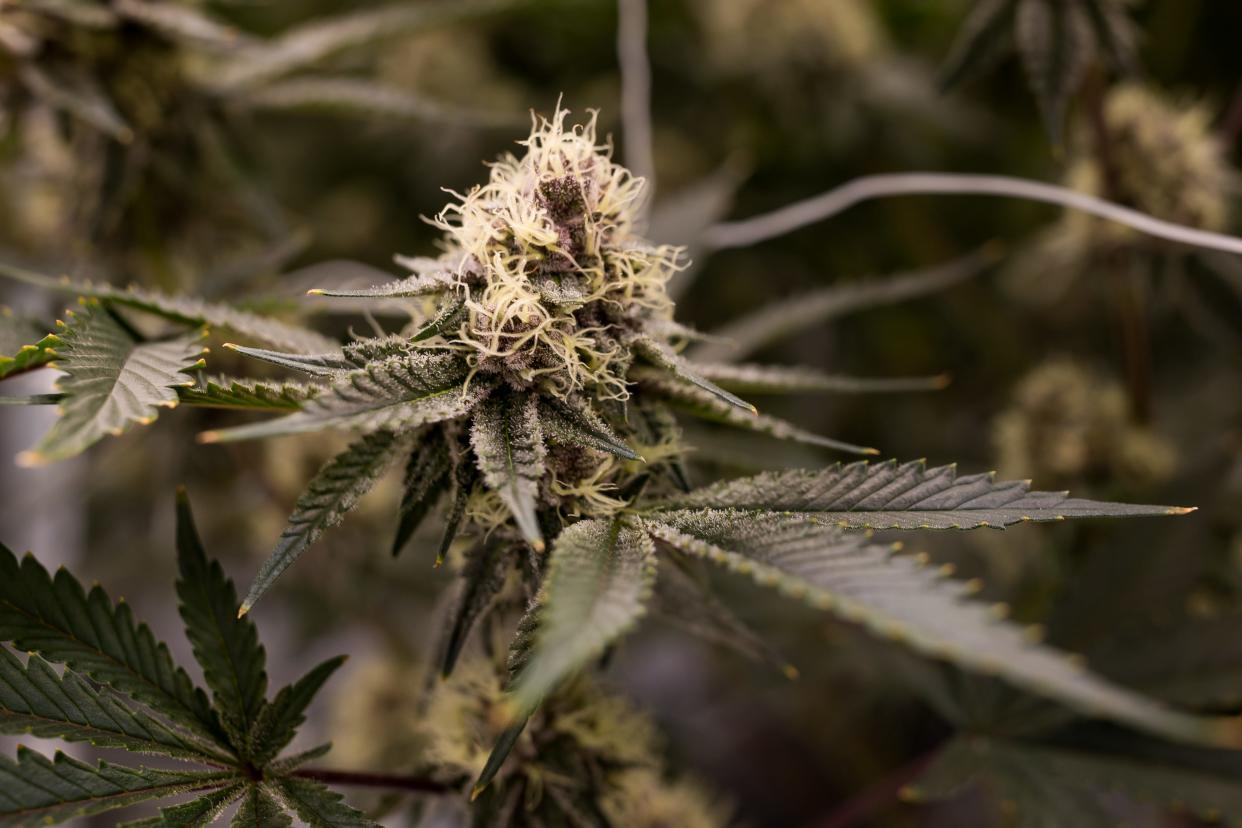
[{"x": 422, "y": 784}]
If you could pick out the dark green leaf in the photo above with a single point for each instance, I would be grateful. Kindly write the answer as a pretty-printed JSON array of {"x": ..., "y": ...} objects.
[
  {"x": 35, "y": 700},
  {"x": 600, "y": 576},
  {"x": 899, "y": 598},
  {"x": 318, "y": 806},
  {"x": 225, "y": 645},
  {"x": 576, "y": 424},
  {"x": 397, "y": 393},
  {"x": 905, "y": 496},
  {"x": 278, "y": 722},
  {"x": 259, "y": 809},
  {"x": 36, "y": 791},
  {"x": 426, "y": 478},
  {"x": 330, "y": 495},
  {"x": 487, "y": 567},
  {"x": 58, "y": 620}
]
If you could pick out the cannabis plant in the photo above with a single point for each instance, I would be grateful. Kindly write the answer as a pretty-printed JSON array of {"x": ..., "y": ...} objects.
[
  {"x": 537, "y": 391},
  {"x": 120, "y": 688}
]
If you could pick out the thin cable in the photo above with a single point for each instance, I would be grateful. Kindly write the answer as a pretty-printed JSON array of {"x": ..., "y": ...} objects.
[{"x": 802, "y": 213}]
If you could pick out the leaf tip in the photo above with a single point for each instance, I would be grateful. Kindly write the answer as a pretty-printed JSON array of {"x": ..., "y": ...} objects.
[
  {"x": 1182, "y": 510},
  {"x": 870, "y": 452},
  {"x": 315, "y": 292},
  {"x": 791, "y": 672},
  {"x": 30, "y": 459},
  {"x": 209, "y": 437},
  {"x": 243, "y": 609}
]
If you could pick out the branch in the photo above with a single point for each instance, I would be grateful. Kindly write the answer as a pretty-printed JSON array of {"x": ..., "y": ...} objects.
[
  {"x": 636, "y": 90},
  {"x": 801, "y": 213},
  {"x": 394, "y": 781}
]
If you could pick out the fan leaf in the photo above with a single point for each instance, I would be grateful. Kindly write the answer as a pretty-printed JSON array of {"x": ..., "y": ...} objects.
[
  {"x": 111, "y": 381},
  {"x": 226, "y": 646},
  {"x": 663, "y": 357},
  {"x": 909, "y": 495},
  {"x": 767, "y": 379},
  {"x": 318, "y": 806},
  {"x": 259, "y": 809},
  {"x": 35, "y": 700},
  {"x": 1053, "y": 786},
  {"x": 37, "y": 791},
  {"x": 397, "y": 393},
  {"x": 247, "y": 395},
  {"x": 57, "y": 619},
  {"x": 279, "y": 721},
  {"x": 600, "y": 577},
  {"x": 577, "y": 424},
  {"x": 699, "y": 403},
  {"x": 487, "y": 567},
  {"x": 321, "y": 365},
  {"x": 426, "y": 479},
  {"x": 899, "y": 598},
  {"x": 187, "y": 310},
  {"x": 331, "y": 494},
  {"x": 507, "y": 438}
]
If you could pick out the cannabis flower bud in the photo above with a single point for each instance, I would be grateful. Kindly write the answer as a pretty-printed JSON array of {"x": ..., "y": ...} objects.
[
  {"x": 585, "y": 747},
  {"x": 554, "y": 275},
  {"x": 533, "y": 380},
  {"x": 1163, "y": 157},
  {"x": 1067, "y": 424}
]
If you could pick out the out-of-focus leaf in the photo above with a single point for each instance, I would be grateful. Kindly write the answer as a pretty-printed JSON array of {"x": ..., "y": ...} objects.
[{"x": 111, "y": 381}]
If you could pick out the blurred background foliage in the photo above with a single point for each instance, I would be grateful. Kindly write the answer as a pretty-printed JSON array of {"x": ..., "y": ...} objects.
[{"x": 1085, "y": 358}]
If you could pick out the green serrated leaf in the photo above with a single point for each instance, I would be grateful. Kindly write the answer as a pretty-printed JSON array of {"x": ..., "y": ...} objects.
[
  {"x": 420, "y": 284},
  {"x": 226, "y": 646},
  {"x": 197, "y": 813},
  {"x": 448, "y": 318},
  {"x": 575, "y": 423},
  {"x": 58, "y": 620},
  {"x": 248, "y": 395},
  {"x": 330, "y": 495},
  {"x": 483, "y": 576},
  {"x": 278, "y": 722},
  {"x": 260, "y": 809},
  {"x": 909, "y": 495},
  {"x": 25, "y": 340},
  {"x": 34, "y": 699},
  {"x": 111, "y": 382},
  {"x": 600, "y": 576},
  {"x": 663, "y": 357},
  {"x": 322, "y": 365},
  {"x": 984, "y": 36},
  {"x": 426, "y": 479},
  {"x": 507, "y": 438},
  {"x": 37, "y": 791},
  {"x": 769, "y": 379},
  {"x": 398, "y": 393},
  {"x": 704, "y": 405},
  {"x": 187, "y": 310},
  {"x": 318, "y": 806},
  {"x": 899, "y": 598},
  {"x": 1050, "y": 786}
]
